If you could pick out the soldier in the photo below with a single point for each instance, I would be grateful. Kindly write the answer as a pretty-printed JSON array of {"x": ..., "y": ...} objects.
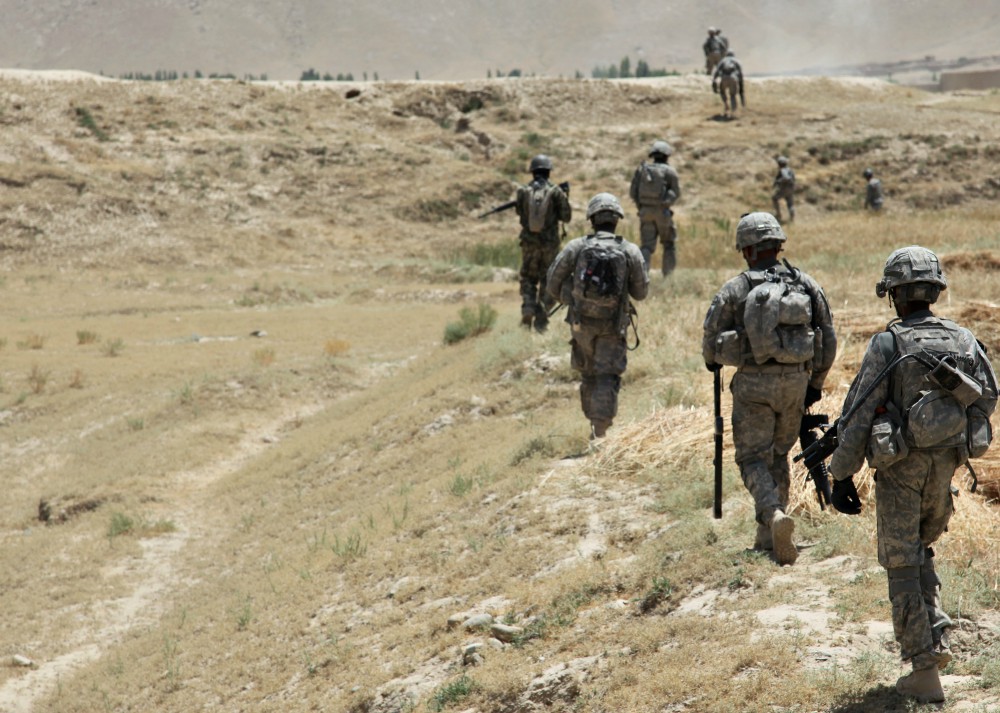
[
  {"x": 784, "y": 188},
  {"x": 911, "y": 440},
  {"x": 728, "y": 81},
  {"x": 654, "y": 190},
  {"x": 873, "y": 191},
  {"x": 772, "y": 322},
  {"x": 714, "y": 49},
  {"x": 540, "y": 205},
  {"x": 723, "y": 39},
  {"x": 595, "y": 276}
]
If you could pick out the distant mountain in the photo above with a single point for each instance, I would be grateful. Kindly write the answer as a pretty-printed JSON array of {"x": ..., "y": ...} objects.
[{"x": 466, "y": 39}]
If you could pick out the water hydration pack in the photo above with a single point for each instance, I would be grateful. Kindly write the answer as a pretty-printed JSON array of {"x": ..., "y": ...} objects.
[
  {"x": 652, "y": 185},
  {"x": 539, "y": 196},
  {"x": 600, "y": 278},
  {"x": 778, "y": 317},
  {"x": 728, "y": 67}
]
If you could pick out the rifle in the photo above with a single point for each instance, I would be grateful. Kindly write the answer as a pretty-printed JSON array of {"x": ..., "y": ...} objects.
[
  {"x": 717, "y": 504},
  {"x": 817, "y": 465},
  {"x": 743, "y": 99},
  {"x": 510, "y": 204}
]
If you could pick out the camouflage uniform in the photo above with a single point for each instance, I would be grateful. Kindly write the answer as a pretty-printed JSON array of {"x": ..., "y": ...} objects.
[
  {"x": 538, "y": 250},
  {"x": 784, "y": 189},
  {"x": 912, "y": 495},
  {"x": 599, "y": 349},
  {"x": 873, "y": 194},
  {"x": 656, "y": 219},
  {"x": 728, "y": 81},
  {"x": 714, "y": 48},
  {"x": 767, "y": 398}
]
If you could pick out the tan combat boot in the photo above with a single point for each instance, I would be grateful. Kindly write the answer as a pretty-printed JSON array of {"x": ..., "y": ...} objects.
[
  {"x": 782, "y": 529},
  {"x": 924, "y": 685},
  {"x": 763, "y": 540}
]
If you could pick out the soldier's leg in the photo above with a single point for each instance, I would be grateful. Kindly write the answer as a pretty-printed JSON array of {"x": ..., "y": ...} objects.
[
  {"x": 582, "y": 360},
  {"x": 930, "y": 589},
  {"x": 529, "y": 278},
  {"x": 900, "y": 550},
  {"x": 788, "y": 394},
  {"x": 668, "y": 241},
  {"x": 647, "y": 234},
  {"x": 753, "y": 437},
  {"x": 544, "y": 304},
  {"x": 610, "y": 359},
  {"x": 791, "y": 207},
  {"x": 936, "y": 509},
  {"x": 776, "y": 205}
]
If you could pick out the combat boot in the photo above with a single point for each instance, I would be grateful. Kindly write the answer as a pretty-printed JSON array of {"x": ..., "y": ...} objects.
[
  {"x": 782, "y": 529},
  {"x": 923, "y": 684},
  {"x": 763, "y": 540},
  {"x": 526, "y": 321},
  {"x": 541, "y": 323}
]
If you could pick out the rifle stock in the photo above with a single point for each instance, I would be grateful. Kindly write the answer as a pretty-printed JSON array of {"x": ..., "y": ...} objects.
[
  {"x": 817, "y": 471},
  {"x": 717, "y": 502}
]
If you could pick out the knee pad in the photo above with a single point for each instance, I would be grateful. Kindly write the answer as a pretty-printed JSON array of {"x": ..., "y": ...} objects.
[{"x": 903, "y": 580}]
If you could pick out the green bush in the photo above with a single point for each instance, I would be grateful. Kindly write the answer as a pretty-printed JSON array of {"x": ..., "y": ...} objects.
[{"x": 472, "y": 322}]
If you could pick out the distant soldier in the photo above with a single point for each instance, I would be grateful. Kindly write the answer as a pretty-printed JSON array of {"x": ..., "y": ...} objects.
[
  {"x": 873, "y": 191},
  {"x": 595, "y": 276},
  {"x": 541, "y": 205},
  {"x": 654, "y": 190},
  {"x": 784, "y": 189},
  {"x": 714, "y": 49},
  {"x": 723, "y": 39},
  {"x": 920, "y": 408},
  {"x": 773, "y": 323},
  {"x": 728, "y": 81}
]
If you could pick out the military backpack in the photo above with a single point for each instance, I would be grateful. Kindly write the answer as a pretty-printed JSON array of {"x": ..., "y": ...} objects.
[
  {"x": 600, "y": 278},
  {"x": 652, "y": 184},
  {"x": 778, "y": 317},
  {"x": 728, "y": 67},
  {"x": 539, "y": 197}
]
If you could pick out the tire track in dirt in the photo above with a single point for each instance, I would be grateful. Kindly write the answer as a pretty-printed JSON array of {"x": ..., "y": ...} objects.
[{"x": 154, "y": 571}]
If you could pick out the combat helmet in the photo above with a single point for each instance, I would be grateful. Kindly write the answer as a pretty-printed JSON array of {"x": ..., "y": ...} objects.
[
  {"x": 912, "y": 274},
  {"x": 730, "y": 53},
  {"x": 604, "y": 202},
  {"x": 867, "y": 173},
  {"x": 541, "y": 162},
  {"x": 782, "y": 161},
  {"x": 760, "y": 230},
  {"x": 661, "y": 147},
  {"x": 712, "y": 30}
]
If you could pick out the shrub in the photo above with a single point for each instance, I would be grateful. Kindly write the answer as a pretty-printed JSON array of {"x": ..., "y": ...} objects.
[{"x": 471, "y": 323}]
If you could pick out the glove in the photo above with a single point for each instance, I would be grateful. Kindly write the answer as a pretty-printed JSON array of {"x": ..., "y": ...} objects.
[
  {"x": 715, "y": 88},
  {"x": 845, "y": 497},
  {"x": 713, "y": 367},
  {"x": 812, "y": 396}
]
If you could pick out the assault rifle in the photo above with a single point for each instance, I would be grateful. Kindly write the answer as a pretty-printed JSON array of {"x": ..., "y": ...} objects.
[
  {"x": 815, "y": 455},
  {"x": 717, "y": 501},
  {"x": 510, "y": 204}
]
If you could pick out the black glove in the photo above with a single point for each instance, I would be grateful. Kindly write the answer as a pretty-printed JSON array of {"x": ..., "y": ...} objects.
[
  {"x": 713, "y": 366},
  {"x": 812, "y": 395},
  {"x": 845, "y": 497}
]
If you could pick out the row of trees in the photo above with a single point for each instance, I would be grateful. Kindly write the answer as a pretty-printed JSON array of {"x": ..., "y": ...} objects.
[
  {"x": 311, "y": 75},
  {"x": 170, "y": 75},
  {"x": 623, "y": 70}
]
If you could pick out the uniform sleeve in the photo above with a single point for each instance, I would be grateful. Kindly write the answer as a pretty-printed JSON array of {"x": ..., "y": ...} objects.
[
  {"x": 854, "y": 433},
  {"x": 673, "y": 187},
  {"x": 720, "y": 317},
  {"x": 633, "y": 189},
  {"x": 561, "y": 270},
  {"x": 519, "y": 205},
  {"x": 823, "y": 321},
  {"x": 638, "y": 279},
  {"x": 565, "y": 211}
]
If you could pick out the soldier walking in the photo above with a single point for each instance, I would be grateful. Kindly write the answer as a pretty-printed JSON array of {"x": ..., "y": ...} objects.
[
  {"x": 916, "y": 429},
  {"x": 784, "y": 189},
  {"x": 596, "y": 275},
  {"x": 727, "y": 81},
  {"x": 654, "y": 189},
  {"x": 714, "y": 48},
  {"x": 773, "y": 323},
  {"x": 541, "y": 205},
  {"x": 873, "y": 191}
]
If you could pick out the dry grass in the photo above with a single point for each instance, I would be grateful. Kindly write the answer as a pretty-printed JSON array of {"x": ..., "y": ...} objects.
[{"x": 305, "y": 530}]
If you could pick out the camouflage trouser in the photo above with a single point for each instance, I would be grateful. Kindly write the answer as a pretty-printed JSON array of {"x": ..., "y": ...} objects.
[
  {"x": 658, "y": 222},
  {"x": 729, "y": 86},
  {"x": 788, "y": 194},
  {"x": 536, "y": 256},
  {"x": 767, "y": 412},
  {"x": 712, "y": 59},
  {"x": 913, "y": 500},
  {"x": 600, "y": 355}
]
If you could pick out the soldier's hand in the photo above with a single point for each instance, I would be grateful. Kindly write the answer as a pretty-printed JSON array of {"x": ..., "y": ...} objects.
[
  {"x": 712, "y": 366},
  {"x": 812, "y": 396},
  {"x": 845, "y": 497},
  {"x": 715, "y": 88}
]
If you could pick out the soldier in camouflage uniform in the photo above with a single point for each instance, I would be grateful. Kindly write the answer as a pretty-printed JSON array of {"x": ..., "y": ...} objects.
[
  {"x": 599, "y": 350},
  {"x": 541, "y": 206},
  {"x": 873, "y": 191},
  {"x": 714, "y": 48},
  {"x": 769, "y": 398},
  {"x": 784, "y": 189},
  {"x": 654, "y": 189},
  {"x": 914, "y": 464},
  {"x": 727, "y": 81}
]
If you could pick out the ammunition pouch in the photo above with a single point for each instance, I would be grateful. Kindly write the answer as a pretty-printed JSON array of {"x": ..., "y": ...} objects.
[{"x": 886, "y": 444}]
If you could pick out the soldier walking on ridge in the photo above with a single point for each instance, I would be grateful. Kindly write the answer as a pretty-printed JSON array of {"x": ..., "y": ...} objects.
[
  {"x": 772, "y": 322},
  {"x": 728, "y": 82},
  {"x": 541, "y": 205},
  {"x": 916, "y": 425},
  {"x": 714, "y": 49},
  {"x": 873, "y": 191},
  {"x": 654, "y": 189},
  {"x": 784, "y": 189},
  {"x": 596, "y": 275}
]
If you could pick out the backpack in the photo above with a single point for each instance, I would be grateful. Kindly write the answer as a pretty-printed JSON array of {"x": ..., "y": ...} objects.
[
  {"x": 728, "y": 67},
  {"x": 600, "y": 278},
  {"x": 539, "y": 195},
  {"x": 715, "y": 45},
  {"x": 652, "y": 185},
  {"x": 777, "y": 317},
  {"x": 786, "y": 178},
  {"x": 936, "y": 405}
]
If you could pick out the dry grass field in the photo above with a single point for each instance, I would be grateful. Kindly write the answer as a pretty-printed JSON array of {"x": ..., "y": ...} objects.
[{"x": 244, "y": 472}]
